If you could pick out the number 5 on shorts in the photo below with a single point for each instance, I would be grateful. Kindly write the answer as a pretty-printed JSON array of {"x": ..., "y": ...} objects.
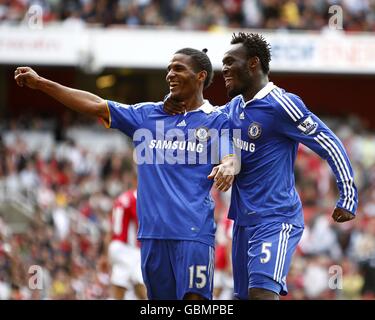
[
  {"x": 266, "y": 251},
  {"x": 199, "y": 275}
]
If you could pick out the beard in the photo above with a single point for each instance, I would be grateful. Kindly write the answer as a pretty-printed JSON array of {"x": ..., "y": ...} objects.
[
  {"x": 233, "y": 92},
  {"x": 236, "y": 90},
  {"x": 177, "y": 96},
  {"x": 241, "y": 85}
]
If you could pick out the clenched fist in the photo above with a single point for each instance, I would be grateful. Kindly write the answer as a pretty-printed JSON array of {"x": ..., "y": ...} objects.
[
  {"x": 25, "y": 76},
  {"x": 341, "y": 215}
]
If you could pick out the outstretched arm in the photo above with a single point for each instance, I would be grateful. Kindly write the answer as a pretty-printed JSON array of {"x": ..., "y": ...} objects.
[{"x": 77, "y": 100}]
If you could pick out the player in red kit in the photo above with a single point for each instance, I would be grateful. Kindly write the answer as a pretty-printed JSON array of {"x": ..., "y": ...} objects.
[
  {"x": 123, "y": 250},
  {"x": 223, "y": 283}
]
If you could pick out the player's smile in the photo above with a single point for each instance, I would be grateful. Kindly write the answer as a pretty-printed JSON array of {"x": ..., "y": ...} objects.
[
  {"x": 176, "y": 86},
  {"x": 173, "y": 85},
  {"x": 228, "y": 82},
  {"x": 231, "y": 81}
]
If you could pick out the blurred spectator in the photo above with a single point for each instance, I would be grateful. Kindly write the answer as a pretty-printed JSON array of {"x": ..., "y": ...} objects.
[
  {"x": 352, "y": 280},
  {"x": 316, "y": 277}
]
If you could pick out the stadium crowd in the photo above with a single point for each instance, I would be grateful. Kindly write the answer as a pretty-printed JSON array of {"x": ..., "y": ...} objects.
[
  {"x": 358, "y": 15},
  {"x": 72, "y": 187}
]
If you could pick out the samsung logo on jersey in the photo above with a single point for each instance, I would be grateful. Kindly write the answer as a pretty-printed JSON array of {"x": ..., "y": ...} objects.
[
  {"x": 308, "y": 126},
  {"x": 176, "y": 145},
  {"x": 244, "y": 145}
]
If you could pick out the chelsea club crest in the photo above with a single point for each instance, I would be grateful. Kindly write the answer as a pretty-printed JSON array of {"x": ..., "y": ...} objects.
[
  {"x": 201, "y": 134},
  {"x": 255, "y": 130}
]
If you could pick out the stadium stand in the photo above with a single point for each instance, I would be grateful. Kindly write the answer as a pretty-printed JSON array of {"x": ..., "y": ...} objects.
[{"x": 197, "y": 14}]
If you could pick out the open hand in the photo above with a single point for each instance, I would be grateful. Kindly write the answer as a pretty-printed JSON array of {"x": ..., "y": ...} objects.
[
  {"x": 223, "y": 174},
  {"x": 173, "y": 107}
]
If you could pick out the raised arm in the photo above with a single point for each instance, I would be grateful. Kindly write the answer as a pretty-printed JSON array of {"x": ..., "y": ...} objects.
[{"x": 77, "y": 100}]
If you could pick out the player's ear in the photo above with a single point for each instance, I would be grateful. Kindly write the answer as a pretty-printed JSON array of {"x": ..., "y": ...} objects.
[
  {"x": 253, "y": 62},
  {"x": 202, "y": 75}
]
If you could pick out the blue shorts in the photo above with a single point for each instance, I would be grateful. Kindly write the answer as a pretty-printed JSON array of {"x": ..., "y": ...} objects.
[
  {"x": 173, "y": 268},
  {"x": 261, "y": 256}
]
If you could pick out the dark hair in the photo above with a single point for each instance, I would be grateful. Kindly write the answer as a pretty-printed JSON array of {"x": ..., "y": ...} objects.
[
  {"x": 256, "y": 46},
  {"x": 200, "y": 62}
]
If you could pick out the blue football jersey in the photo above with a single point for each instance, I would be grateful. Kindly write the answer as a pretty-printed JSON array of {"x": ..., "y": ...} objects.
[
  {"x": 271, "y": 126},
  {"x": 174, "y": 155}
]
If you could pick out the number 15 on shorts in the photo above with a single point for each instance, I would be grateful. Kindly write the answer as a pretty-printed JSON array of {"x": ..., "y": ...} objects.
[{"x": 197, "y": 276}]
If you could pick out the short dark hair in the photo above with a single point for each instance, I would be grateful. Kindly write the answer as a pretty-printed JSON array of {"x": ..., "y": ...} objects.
[
  {"x": 255, "y": 45},
  {"x": 200, "y": 62}
]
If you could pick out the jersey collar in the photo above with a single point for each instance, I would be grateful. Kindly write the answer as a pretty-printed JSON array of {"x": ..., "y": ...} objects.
[
  {"x": 260, "y": 94},
  {"x": 206, "y": 107}
]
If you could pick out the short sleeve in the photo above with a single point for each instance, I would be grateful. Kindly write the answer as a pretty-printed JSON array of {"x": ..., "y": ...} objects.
[{"x": 128, "y": 118}]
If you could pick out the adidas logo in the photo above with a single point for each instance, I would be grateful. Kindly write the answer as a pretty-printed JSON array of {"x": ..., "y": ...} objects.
[
  {"x": 242, "y": 116},
  {"x": 181, "y": 124}
]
